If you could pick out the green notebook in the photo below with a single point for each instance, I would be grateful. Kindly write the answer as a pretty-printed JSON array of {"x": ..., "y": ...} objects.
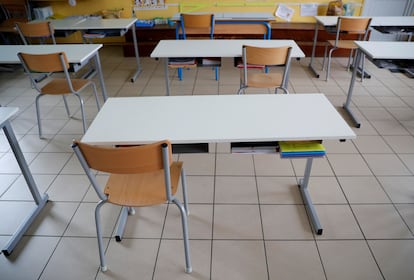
[{"x": 301, "y": 146}]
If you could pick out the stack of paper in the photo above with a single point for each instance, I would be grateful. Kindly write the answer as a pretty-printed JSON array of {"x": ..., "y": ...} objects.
[{"x": 301, "y": 149}]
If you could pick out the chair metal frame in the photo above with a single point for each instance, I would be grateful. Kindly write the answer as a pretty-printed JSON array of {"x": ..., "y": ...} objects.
[
  {"x": 55, "y": 63},
  {"x": 195, "y": 24},
  {"x": 262, "y": 58},
  {"x": 129, "y": 183},
  {"x": 347, "y": 25}
]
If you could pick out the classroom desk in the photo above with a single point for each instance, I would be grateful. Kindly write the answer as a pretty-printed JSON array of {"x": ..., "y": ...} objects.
[
  {"x": 78, "y": 56},
  {"x": 384, "y": 55},
  {"x": 382, "y": 23},
  {"x": 239, "y": 23},
  {"x": 204, "y": 119},
  {"x": 6, "y": 113},
  {"x": 213, "y": 48},
  {"x": 111, "y": 27}
]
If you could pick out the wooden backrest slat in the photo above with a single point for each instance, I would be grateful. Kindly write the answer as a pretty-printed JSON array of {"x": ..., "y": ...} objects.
[{"x": 266, "y": 56}]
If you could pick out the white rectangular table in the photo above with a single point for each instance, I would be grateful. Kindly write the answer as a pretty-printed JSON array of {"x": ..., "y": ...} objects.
[
  {"x": 119, "y": 26},
  {"x": 78, "y": 56},
  {"x": 209, "y": 119},
  {"x": 377, "y": 51},
  {"x": 382, "y": 22},
  {"x": 213, "y": 48},
  {"x": 6, "y": 113}
]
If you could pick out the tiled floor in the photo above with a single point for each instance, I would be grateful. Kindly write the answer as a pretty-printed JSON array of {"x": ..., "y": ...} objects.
[{"x": 247, "y": 218}]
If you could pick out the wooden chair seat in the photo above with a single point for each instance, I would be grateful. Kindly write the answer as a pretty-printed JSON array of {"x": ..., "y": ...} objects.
[
  {"x": 142, "y": 189},
  {"x": 344, "y": 44},
  {"x": 60, "y": 86},
  {"x": 261, "y": 80}
]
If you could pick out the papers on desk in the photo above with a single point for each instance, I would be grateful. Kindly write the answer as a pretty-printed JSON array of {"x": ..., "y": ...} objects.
[{"x": 301, "y": 149}]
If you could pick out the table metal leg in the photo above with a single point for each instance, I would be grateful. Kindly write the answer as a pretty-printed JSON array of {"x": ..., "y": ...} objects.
[
  {"x": 167, "y": 79},
  {"x": 100, "y": 74},
  {"x": 351, "y": 89},
  {"x": 315, "y": 40},
  {"x": 39, "y": 200},
  {"x": 139, "y": 68},
  {"x": 303, "y": 187}
]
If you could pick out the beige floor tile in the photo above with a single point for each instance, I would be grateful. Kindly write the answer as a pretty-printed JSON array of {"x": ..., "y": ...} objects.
[
  {"x": 408, "y": 160},
  {"x": 394, "y": 257},
  {"x": 19, "y": 190},
  {"x": 83, "y": 222},
  {"x": 406, "y": 211},
  {"x": 62, "y": 190},
  {"x": 372, "y": 144},
  {"x": 6, "y": 180},
  {"x": 17, "y": 212},
  {"x": 338, "y": 147},
  {"x": 325, "y": 190},
  {"x": 49, "y": 163},
  {"x": 386, "y": 165},
  {"x": 198, "y": 164},
  {"x": 337, "y": 222},
  {"x": 71, "y": 253},
  {"x": 28, "y": 259},
  {"x": 147, "y": 222},
  {"x": 286, "y": 260},
  {"x": 381, "y": 222},
  {"x": 348, "y": 259},
  {"x": 138, "y": 259},
  {"x": 200, "y": 222},
  {"x": 278, "y": 190},
  {"x": 363, "y": 189},
  {"x": 171, "y": 264},
  {"x": 238, "y": 260},
  {"x": 237, "y": 222},
  {"x": 231, "y": 189},
  {"x": 235, "y": 164},
  {"x": 401, "y": 144},
  {"x": 285, "y": 222},
  {"x": 320, "y": 167},
  {"x": 348, "y": 164},
  {"x": 9, "y": 165},
  {"x": 272, "y": 165},
  {"x": 200, "y": 189},
  {"x": 399, "y": 188},
  {"x": 389, "y": 127}
]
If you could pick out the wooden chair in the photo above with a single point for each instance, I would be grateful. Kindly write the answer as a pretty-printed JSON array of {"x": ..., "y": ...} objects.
[
  {"x": 346, "y": 25},
  {"x": 39, "y": 32},
  {"x": 262, "y": 58},
  {"x": 55, "y": 63},
  {"x": 190, "y": 25},
  {"x": 139, "y": 176}
]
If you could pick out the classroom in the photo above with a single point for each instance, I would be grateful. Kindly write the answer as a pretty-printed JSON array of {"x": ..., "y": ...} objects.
[{"x": 214, "y": 140}]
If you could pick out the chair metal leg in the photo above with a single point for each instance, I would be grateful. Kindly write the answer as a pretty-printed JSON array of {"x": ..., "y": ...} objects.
[
  {"x": 66, "y": 105},
  {"x": 324, "y": 57},
  {"x": 95, "y": 92},
  {"x": 82, "y": 112},
  {"x": 99, "y": 236},
  {"x": 328, "y": 69},
  {"x": 217, "y": 73},
  {"x": 188, "y": 268},
  {"x": 121, "y": 223},
  {"x": 184, "y": 186},
  {"x": 39, "y": 125}
]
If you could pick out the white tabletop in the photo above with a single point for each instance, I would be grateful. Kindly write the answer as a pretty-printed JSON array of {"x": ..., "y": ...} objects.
[
  {"x": 6, "y": 113},
  {"x": 92, "y": 23},
  {"x": 228, "y": 16},
  {"x": 376, "y": 21},
  {"x": 216, "y": 48},
  {"x": 217, "y": 118},
  {"x": 76, "y": 53},
  {"x": 387, "y": 50}
]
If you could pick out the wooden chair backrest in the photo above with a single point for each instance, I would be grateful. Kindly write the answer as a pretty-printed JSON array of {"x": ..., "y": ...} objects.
[
  {"x": 125, "y": 160},
  {"x": 197, "y": 20},
  {"x": 45, "y": 63},
  {"x": 353, "y": 25},
  {"x": 33, "y": 30},
  {"x": 267, "y": 56}
]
